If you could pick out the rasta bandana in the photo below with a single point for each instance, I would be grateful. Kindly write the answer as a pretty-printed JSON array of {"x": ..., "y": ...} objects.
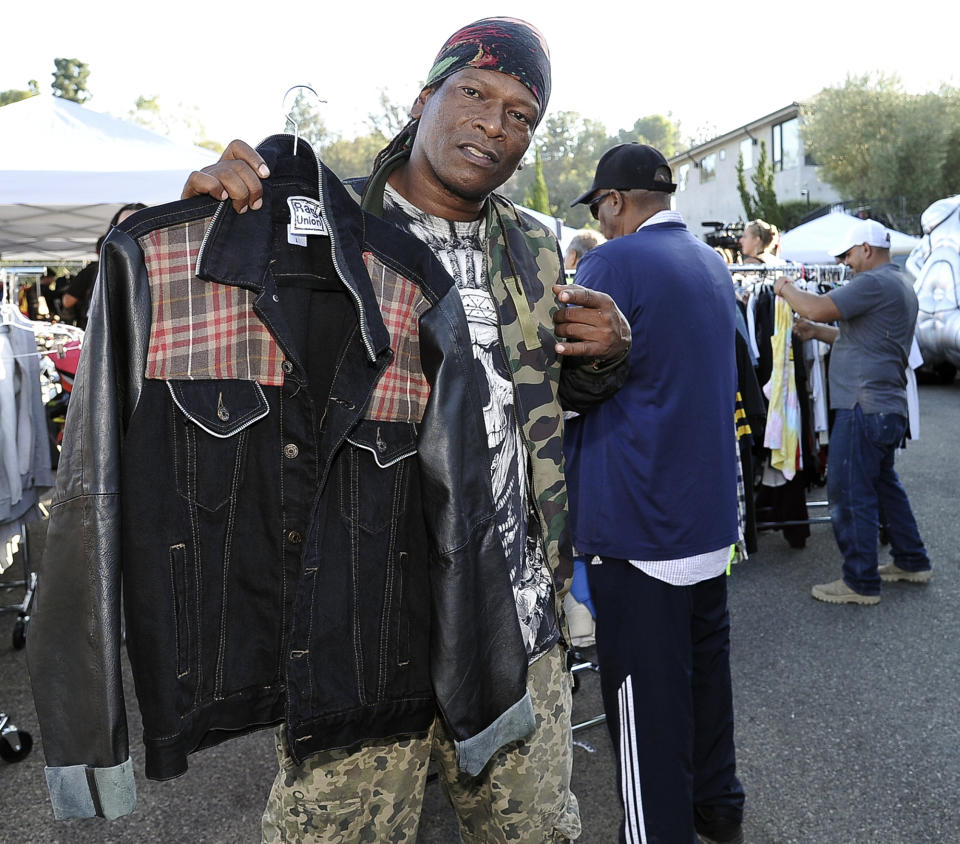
[{"x": 508, "y": 45}]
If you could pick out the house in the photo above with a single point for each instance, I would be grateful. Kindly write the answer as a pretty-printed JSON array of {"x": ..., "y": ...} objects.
[{"x": 706, "y": 175}]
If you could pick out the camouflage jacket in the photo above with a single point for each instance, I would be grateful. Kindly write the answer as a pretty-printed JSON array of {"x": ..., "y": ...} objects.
[{"x": 523, "y": 263}]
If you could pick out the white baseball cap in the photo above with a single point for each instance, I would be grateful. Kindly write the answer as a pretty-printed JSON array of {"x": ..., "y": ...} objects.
[{"x": 864, "y": 231}]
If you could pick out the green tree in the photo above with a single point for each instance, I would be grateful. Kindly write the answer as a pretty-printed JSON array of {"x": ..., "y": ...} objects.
[
  {"x": 147, "y": 112},
  {"x": 70, "y": 80},
  {"x": 208, "y": 143},
  {"x": 390, "y": 119},
  {"x": 14, "y": 95},
  {"x": 763, "y": 204},
  {"x": 794, "y": 210},
  {"x": 305, "y": 118},
  {"x": 538, "y": 197},
  {"x": 352, "y": 158},
  {"x": 181, "y": 123},
  {"x": 656, "y": 130},
  {"x": 879, "y": 145},
  {"x": 569, "y": 147}
]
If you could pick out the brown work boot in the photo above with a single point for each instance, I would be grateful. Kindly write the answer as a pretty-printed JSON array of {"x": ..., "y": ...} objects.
[{"x": 837, "y": 592}]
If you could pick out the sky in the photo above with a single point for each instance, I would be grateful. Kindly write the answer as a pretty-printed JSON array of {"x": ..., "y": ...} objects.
[{"x": 710, "y": 69}]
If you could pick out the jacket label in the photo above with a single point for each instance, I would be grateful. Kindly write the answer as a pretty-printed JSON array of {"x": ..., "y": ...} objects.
[{"x": 305, "y": 216}]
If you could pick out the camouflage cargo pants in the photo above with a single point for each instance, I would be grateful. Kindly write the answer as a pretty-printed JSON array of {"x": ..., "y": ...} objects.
[{"x": 375, "y": 793}]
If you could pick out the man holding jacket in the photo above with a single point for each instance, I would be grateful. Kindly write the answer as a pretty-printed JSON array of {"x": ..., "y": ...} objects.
[{"x": 470, "y": 126}]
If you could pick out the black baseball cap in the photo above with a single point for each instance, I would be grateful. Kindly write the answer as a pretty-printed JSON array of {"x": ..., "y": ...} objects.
[{"x": 628, "y": 167}]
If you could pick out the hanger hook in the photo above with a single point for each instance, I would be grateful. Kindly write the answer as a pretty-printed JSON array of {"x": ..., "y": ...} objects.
[{"x": 288, "y": 110}]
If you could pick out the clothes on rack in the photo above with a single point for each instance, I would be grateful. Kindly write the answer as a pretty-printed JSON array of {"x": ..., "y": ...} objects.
[
  {"x": 24, "y": 450},
  {"x": 815, "y": 354},
  {"x": 778, "y": 500},
  {"x": 782, "y": 434},
  {"x": 913, "y": 399},
  {"x": 751, "y": 419}
]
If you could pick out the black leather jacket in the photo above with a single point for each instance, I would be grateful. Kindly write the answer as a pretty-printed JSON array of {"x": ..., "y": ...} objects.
[{"x": 277, "y": 452}]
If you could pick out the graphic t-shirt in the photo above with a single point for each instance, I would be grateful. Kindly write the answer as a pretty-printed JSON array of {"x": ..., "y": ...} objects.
[{"x": 459, "y": 247}]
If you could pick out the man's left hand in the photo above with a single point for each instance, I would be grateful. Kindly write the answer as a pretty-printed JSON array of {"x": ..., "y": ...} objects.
[{"x": 595, "y": 329}]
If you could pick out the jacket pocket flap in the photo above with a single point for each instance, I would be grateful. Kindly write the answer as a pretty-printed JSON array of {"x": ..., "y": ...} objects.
[
  {"x": 387, "y": 441},
  {"x": 221, "y": 408}
]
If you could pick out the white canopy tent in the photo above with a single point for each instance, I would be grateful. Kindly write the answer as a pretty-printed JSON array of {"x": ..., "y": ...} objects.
[
  {"x": 65, "y": 170},
  {"x": 810, "y": 243}
]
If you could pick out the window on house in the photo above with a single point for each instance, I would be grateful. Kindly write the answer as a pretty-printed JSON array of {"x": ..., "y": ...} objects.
[
  {"x": 746, "y": 153},
  {"x": 786, "y": 144},
  {"x": 708, "y": 168},
  {"x": 723, "y": 155},
  {"x": 683, "y": 173}
]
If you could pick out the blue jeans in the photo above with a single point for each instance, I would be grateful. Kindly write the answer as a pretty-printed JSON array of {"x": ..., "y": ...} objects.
[{"x": 865, "y": 492}]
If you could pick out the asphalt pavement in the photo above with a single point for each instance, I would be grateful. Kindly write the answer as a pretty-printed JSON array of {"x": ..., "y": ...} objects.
[{"x": 848, "y": 717}]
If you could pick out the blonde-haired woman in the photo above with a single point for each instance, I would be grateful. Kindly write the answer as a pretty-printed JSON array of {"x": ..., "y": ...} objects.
[{"x": 760, "y": 243}]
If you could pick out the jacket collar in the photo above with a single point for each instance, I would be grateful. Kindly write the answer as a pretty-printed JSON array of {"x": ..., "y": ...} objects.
[{"x": 237, "y": 247}]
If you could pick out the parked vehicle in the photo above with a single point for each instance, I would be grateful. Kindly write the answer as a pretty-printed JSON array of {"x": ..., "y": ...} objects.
[{"x": 935, "y": 264}]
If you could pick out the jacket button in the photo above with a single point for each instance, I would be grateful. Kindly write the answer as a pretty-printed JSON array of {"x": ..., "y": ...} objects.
[
  {"x": 223, "y": 414},
  {"x": 290, "y": 451},
  {"x": 287, "y": 367},
  {"x": 295, "y": 537}
]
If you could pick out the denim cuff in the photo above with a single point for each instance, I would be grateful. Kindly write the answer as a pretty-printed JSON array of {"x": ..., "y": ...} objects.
[{"x": 78, "y": 791}]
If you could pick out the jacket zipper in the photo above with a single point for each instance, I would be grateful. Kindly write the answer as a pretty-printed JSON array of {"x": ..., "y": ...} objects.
[
  {"x": 206, "y": 235},
  {"x": 335, "y": 254}
]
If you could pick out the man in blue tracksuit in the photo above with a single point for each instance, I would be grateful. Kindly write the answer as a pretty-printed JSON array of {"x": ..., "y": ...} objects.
[{"x": 652, "y": 477}]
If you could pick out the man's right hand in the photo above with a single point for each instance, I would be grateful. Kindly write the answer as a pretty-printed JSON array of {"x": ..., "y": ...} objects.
[{"x": 236, "y": 176}]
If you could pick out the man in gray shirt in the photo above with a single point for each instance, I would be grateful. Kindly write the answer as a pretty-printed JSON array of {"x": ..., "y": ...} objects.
[{"x": 876, "y": 314}]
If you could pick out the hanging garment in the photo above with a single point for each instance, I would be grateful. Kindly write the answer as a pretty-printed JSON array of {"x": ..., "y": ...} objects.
[
  {"x": 24, "y": 451},
  {"x": 782, "y": 435},
  {"x": 913, "y": 399},
  {"x": 815, "y": 352},
  {"x": 751, "y": 317},
  {"x": 751, "y": 415}
]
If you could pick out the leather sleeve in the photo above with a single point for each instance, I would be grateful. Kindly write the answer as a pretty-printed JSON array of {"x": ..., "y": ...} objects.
[
  {"x": 73, "y": 645},
  {"x": 582, "y": 386},
  {"x": 478, "y": 659}
]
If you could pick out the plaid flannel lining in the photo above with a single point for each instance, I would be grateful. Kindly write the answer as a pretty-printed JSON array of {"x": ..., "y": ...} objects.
[
  {"x": 402, "y": 392},
  {"x": 202, "y": 329}
]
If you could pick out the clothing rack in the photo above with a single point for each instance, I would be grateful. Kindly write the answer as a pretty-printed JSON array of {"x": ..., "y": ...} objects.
[
  {"x": 51, "y": 338},
  {"x": 28, "y": 583},
  {"x": 814, "y": 278},
  {"x": 15, "y": 744}
]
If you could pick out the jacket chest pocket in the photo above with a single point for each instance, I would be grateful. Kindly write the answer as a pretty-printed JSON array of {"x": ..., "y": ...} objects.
[
  {"x": 375, "y": 474},
  {"x": 210, "y": 425}
]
